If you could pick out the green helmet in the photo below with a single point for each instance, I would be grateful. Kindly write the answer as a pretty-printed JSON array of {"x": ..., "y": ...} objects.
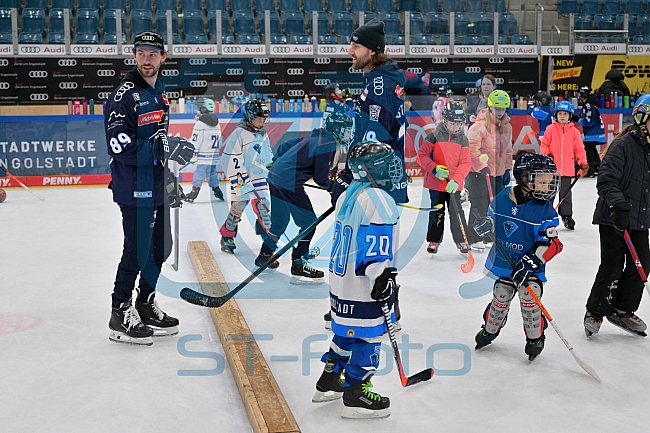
[
  {"x": 205, "y": 105},
  {"x": 499, "y": 99}
]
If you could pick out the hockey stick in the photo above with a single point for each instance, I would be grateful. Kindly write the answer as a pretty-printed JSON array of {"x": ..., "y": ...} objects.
[
  {"x": 637, "y": 262},
  {"x": 196, "y": 298},
  {"x": 489, "y": 184},
  {"x": 567, "y": 193},
  {"x": 12, "y": 177},
  {"x": 176, "y": 211},
  {"x": 469, "y": 265},
  {"x": 586, "y": 367},
  {"x": 422, "y": 376}
]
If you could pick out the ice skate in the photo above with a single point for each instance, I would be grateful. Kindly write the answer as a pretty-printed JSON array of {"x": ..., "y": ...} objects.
[
  {"x": 534, "y": 347},
  {"x": 569, "y": 222},
  {"x": 361, "y": 403},
  {"x": 463, "y": 248},
  {"x": 302, "y": 273},
  {"x": 328, "y": 320},
  {"x": 217, "y": 193},
  {"x": 478, "y": 246},
  {"x": 192, "y": 195},
  {"x": 592, "y": 324},
  {"x": 126, "y": 326},
  {"x": 263, "y": 258},
  {"x": 483, "y": 338},
  {"x": 163, "y": 325},
  {"x": 433, "y": 247},
  {"x": 330, "y": 384},
  {"x": 228, "y": 245},
  {"x": 629, "y": 322}
]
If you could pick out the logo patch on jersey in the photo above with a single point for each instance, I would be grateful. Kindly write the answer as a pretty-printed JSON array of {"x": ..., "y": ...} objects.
[
  {"x": 364, "y": 94},
  {"x": 136, "y": 97},
  {"x": 165, "y": 100},
  {"x": 374, "y": 112},
  {"x": 153, "y": 117},
  {"x": 399, "y": 91},
  {"x": 514, "y": 210},
  {"x": 257, "y": 148},
  {"x": 509, "y": 227},
  {"x": 378, "y": 85},
  {"x": 350, "y": 333},
  {"x": 142, "y": 194}
]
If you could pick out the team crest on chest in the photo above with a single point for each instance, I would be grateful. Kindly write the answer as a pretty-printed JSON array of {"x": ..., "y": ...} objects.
[{"x": 509, "y": 227}]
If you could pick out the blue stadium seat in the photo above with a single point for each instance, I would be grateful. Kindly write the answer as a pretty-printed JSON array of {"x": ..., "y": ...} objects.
[
  {"x": 444, "y": 39},
  {"x": 33, "y": 26},
  {"x": 634, "y": 7},
  {"x": 495, "y": 6},
  {"x": 57, "y": 33},
  {"x": 484, "y": 24},
  {"x": 392, "y": 24},
  {"x": 583, "y": 22},
  {"x": 383, "y": 5},
  {"x": 87, "y": 4},
  {"x": 597, "y": 39},
  {"x": 328, "y": 39},
  {"x": 395, "y": 40},
  {"x": 87, "y": 26},
  {"x": 110, "y": 29},
  {"x": 359, "y": 5},
  {"x": 227, "y": 39},
  {"x": 8, "y": 4},
  {"x": 631, "y": 23},
  {"x": 214, "y": 5},
  {"x": 416, "y": 22},
  {"x": 193, "y": 27},
  {"x": 190, "y": 5},
  {"x": 140, "y": 5},
  {"x": 604, "y": 22},
  {"x": 641, "y": 40},
  {"x": 569, "y": 7},
  {"x": 115, "y": 4},
  {"x": 424, "y": 39},
  {"x": 643, "y": 25},
  {"x": 430, "y": 6},
  {"x": 294, "y": 23},
  {"x": 301, "y": 39},
  {"x": 408, "y": 5},
  {"x": 473, "y": 6},
  {"x": 274, "y": 20},
  {"x": 289, "y": 6},
  {"x": 5, "y": 26},
  {"x": 367, "y": 16},
  {"x": 243, "y": 23},
  {"x": 278, "y": 39},
  {"x": 140, "y": 21},
  {"x": 161, "y": 23},
  {"x": 473, "y": 39},
  {"x": 521, "y": 39},
  {"x": 462, "y": 23},
  {"x": 250, "y": 39},
  {"x": 333, "y": 6},
  {"x": 63, "y": 4},
  {"x": 240, "y": 5},
  {"x": 342, "y": 23},
  {"x": 345, "y": 40},
  {"x": 508, "y": 24},
  {"x": 503, "y": 39},
  {"x": 312, "y": 5},
  {"x": 590, "y": 7},
  {"x": 212, "y": 23},
  {"x": 323, "y": 23},
  {"x": 264, "y": 5},
  {"x": 36, "y": 4},
  {"x": 450, "y": 6},
  {"x": 165, "y": 5},
  {"x": 437, "y": 23},
  {"x": 612, "y": 7}
]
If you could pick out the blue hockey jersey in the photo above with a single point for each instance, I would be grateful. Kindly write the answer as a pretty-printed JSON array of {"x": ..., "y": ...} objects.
[{"x": 592, "y": 123}]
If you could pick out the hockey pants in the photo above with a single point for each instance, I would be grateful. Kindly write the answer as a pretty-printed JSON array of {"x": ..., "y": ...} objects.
[{"x": 359, "y": 357}]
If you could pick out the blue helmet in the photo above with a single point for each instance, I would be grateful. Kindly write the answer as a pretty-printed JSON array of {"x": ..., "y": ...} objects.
[{"x": 563, "y": 105}]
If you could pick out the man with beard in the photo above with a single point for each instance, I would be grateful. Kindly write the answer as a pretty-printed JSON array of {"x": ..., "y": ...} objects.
[{"x": 136, "y": 119}]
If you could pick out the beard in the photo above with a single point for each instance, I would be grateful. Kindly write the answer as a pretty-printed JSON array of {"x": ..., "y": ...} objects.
[
  {"x": 361, "y": 62},
  {"x": 147, "y": 74}
]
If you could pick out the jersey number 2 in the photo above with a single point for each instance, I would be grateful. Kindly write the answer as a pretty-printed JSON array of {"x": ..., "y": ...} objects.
[{"x": 341, "y": 249}]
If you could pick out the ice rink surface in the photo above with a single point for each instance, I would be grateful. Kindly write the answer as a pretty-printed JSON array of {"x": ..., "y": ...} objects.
[{"x": 60, "y": 373}]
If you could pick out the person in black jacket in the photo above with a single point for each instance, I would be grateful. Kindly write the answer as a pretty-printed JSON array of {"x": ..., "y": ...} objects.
[
  {"x": 623, "y": 205},
  {"x": 613, "y": 83}
]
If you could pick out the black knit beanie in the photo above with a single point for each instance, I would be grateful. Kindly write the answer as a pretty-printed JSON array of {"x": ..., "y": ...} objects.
[{"x": 371, "y": 36}]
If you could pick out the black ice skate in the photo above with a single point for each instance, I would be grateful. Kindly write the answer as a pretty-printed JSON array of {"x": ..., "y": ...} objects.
[
  {"x": 534, "y": 347},
  {"x": 302, "y": 273},
  {"x": 361, "y": 403},
  {"x": 126, "y": 326},
  {"x": 152, "y": 316},
  {"x": 592, "y": 323},
  {"x": 263, "y": 258},
  {"x": 483, "y": 338},
  {"x": 629, "y": 322},
  {"x": 192, "y": 195},
  {"x": 569, "y": 222},
  {"x": 228, "y": 245},
  {"x": 217, "y": 193},
  {"x": 328, "y": 320},
  {"x": 330, "y": 384}
]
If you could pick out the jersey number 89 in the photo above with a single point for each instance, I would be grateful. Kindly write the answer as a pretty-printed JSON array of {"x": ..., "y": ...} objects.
[{"x": 120, "y": 142}]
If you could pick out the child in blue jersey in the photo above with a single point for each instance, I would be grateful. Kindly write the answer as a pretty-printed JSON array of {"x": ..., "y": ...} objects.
[
  {"x": 523, "y": 221},
  {"x": 361, "y": 280}
]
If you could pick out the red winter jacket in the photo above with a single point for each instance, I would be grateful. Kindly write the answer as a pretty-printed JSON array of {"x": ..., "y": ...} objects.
[
  {"x": 563, "y": 144},
  {"x": 443, "y": 148}
]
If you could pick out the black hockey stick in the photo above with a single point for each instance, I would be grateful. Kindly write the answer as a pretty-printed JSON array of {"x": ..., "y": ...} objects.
[
  {"x": 567, "y": 193},
  {"x": 586, "y": 367},
  {"x": 469, "y": 265},
  {"x": 422, "y": 376},
  {"x": 196, "y": 298}
]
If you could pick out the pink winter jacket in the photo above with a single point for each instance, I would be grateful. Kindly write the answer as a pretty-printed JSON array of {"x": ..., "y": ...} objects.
[
  {"x": 563, "y": 144},
  {"x": 496, "y": 145}
]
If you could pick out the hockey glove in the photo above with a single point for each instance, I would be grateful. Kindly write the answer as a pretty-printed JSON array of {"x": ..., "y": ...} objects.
[
  {"x": 384, "y": 285},
  {"x": 174, "y": 196},
  {"x": 441, "y": 172},
  {"x": 181, "y": 150},
  {"x": 485, "y": 171},
  {"x": 528, "y": 265},
  {"x": 484, "y": 227},
  {"x": 621, "y": 217},
  {"x": 341, "y": 182},
  {"x": 452, "y": 187},
  {"x": 506, "y": 178},
  {"x": 584, "y": 168}
]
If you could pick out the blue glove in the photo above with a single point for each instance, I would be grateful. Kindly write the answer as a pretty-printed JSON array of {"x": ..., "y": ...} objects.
[
  {"x": 506, "y": 178},
  {"x": 485, "y": 171},
  {"x": 441, "y": 172},
  {"x": 452, "y": 187},
  {"x": 528, "y": 265}
]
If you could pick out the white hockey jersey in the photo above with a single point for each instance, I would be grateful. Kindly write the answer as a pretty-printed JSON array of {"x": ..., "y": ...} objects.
[
  {"x": 365, "y": 242},
  {"x": 206, "y": 138}
]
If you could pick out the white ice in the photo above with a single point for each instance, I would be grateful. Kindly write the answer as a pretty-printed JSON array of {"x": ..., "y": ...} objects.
[{"x": 60, "y": 373}]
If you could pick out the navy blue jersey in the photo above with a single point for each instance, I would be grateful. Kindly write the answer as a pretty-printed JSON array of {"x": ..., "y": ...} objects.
[
  {"x": 134, "y": 113},
  {"x": 518, "y": 227},
  {"x": 592, "y": 123}
]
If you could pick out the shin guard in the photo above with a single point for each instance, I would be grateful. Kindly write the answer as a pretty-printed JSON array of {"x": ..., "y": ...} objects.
[
  {"x": 534, "y": 320},
  {"x": 496, "y": 312}
]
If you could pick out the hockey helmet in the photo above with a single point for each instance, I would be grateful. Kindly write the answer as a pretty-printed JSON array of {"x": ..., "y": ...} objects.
[
  {"x": 538, "y": 174},
  {"x": 374, "y": 162},
  {"x": 584, "y": 92},
  {"x": 453, "y": 112},
  {"x": 564, "y": 105},
  {"x": 340, "y": 125},
  {"x": 205, "y": 105},
  {"x": 543, "y": 98},
  {"x": 641, "y": 114},
  {"x": 499, "y": 99},
  {"x": 253, "y": 108}
]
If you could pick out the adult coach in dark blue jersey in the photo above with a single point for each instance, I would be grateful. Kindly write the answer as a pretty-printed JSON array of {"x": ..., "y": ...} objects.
[
  {"x": 136, "y": 119},
  {"x": 294, "y": 163}
]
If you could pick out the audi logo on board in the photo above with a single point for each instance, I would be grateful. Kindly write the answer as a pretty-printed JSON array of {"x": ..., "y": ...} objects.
[
  {"x": 81, "y": 50},
  {"x": 130, "y": 62},
  {"x": 233, "y": 93},
  {"x": 473, "y": 69},
  {"x": 103, "y": 95},
  {"x": 355, "y": 71},
  {"x": 169, "y": 72},
  {"x": 280, "y": 50},
  {"x": 295, "y": 71},
  {"x": 439, "y": 60},
  {"x": 439, "y": 81},
  {"x": 67, "y": 62},
  {"x": 174, "y": 94},
  {"x": 463, "y": 50},
  {"x": 39, "y": 97},
  {"x": 261, "y": 82},
  {"x": 260, "y": 60},
  {"x": 322, "y": 81},
  {"x": 419, "y": 50},
  {"x": 496, "y": 60},
  {"x": 30, "y": 50},
  {"x": 105, "y": 72},
  {"x": 499, "y": 80},
  {"x": 470, "y": 90},
  {"x": 633, "y": 49},
  {"x": 327, "y": 50},
  {"x": 295, "y": 93},
  {"x": 67, "y": 85},
  {"x": 198, "y": 83},
  {"x": 4, "y": 85},
  {"x": 415, "y": 70},
  {"x": 554, "y": 50},
  {"x": 4, "y": 62},
  {"x": 231, "y": 50},
  {"x": 197, "y": 62},
  {"x": 322, "y": 61},
  {"x": 356, "y": 91},
  {"x": 37, "y": 74},
  {"x": 234, "y": 71},
  {"x": 590, "y": 48},
  {"x": 182, "y": 50},
  {"x": 507, "y": 50}
]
